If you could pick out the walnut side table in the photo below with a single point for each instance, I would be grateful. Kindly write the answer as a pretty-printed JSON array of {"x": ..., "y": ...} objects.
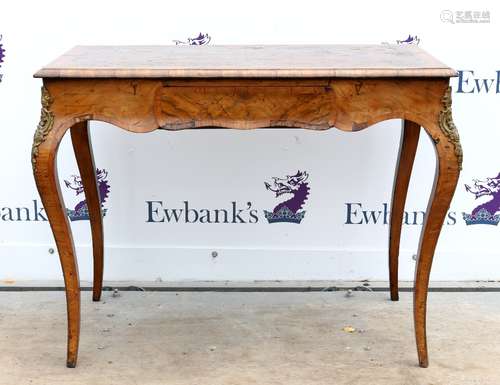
[{"x": 144, "y": 88}]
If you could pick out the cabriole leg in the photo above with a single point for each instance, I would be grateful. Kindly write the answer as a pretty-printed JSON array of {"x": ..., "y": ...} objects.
[
  {"x": 449, "y": 163},
  {"x": 46, "y": 141},
  {"x": 407, "y": 151},
  {"x": 82, "y": 146}
]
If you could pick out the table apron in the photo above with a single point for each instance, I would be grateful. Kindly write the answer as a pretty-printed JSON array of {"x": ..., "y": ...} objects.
[{"x": 143, "y": 105}]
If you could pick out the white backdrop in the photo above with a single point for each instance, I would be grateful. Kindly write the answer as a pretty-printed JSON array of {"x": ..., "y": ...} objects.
[{"x": 348, "y": 172}]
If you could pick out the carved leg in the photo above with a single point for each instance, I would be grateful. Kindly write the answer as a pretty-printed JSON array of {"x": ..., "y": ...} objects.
[
  {"x": 449, "y": 162},
  {"x": 83, "y": 152},
  {"x": 407, "y": 151},
  {"x": 45, "y": 144}
]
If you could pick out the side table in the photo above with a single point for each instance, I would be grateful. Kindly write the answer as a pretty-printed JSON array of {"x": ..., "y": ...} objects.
[{"x": 144, "y": 88}]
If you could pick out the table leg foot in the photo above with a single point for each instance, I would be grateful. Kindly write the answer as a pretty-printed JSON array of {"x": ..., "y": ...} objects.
[
  {"x": 407, "y": 151},
  {"x": 423, "y": 363},
  {"x": 449, "y": 158},
  {"x": 82, "y": 146},
  {"x": 71, "y": 363}
]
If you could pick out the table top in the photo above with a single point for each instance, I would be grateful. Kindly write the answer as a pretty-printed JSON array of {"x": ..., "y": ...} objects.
[{"x": 246, "y": 61}]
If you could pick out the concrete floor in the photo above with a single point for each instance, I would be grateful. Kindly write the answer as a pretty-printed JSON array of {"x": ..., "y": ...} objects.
[{"x": 212, "y": 338}]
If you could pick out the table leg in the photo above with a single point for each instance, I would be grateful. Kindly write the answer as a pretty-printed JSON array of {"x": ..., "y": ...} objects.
[
  {"x": 407, "y": 151},
  {"x": 449, "y": 160},
  {"x": 46, "y": 141},
  {"x": 82, "y": 146}
]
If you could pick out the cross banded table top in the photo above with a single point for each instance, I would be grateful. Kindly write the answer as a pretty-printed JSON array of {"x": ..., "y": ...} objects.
[{"x": 246, "y": 61}]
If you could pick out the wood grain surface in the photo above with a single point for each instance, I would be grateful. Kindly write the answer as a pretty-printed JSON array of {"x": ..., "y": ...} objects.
[{"x": 252, "y": 61}]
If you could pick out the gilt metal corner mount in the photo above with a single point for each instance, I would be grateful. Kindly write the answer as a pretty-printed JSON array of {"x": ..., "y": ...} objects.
[
  {"x": 44, "y": 126},
  {"x": 448, "y": 127}
]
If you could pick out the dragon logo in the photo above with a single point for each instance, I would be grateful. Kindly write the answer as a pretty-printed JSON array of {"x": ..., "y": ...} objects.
[
  {"x": 81, "y": 211},
  {"x": 2, "y": 51},
  {"x": 293, "y": 191},
  {"x": 201, "y": 39},
  {"x": 485, "y": 213},
  {"x": 410, "y": 40},
  {"x": 2, "y": 55}
]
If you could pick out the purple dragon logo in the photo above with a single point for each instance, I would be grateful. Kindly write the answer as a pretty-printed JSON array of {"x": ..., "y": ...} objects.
[
  {"x": 2, "y": 51},
  {"x": 81, "y": 211},
  {"x": 485, "y": 213},
  {"x": 293, "y": 191},
  {"x": 410, "y": 40},
  {"x": 201, "y": 39}
]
